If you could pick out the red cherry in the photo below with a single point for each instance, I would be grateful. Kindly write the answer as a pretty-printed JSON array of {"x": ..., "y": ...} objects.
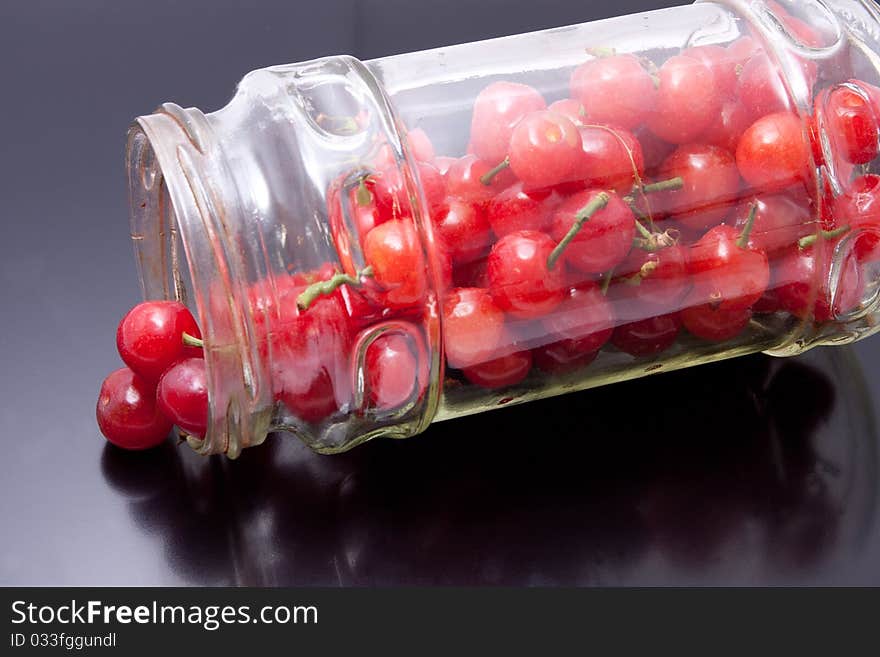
[
  {"x": 150, "y": 337},
  {"x": 774, "y": 153},
  {"x": 183, "y": 396},
  {"x": 733, "y": 120},
  {"x": 497, "y": 110},
  {"x": 615, "y": 90},
  {"x": 464, "y": 230},
  {"x": 516, "y": 209},
  {"x": 761, "y": 89},
  {"x": 391, "y": 197},
  {"x": 656, "y": 279},
  {"x": 308, "y": 354},
  {"x": 654, "y": 149},
  {"x": 127, "y": 413},
  {"x": 780, "y": 221},
  {"x": 715, "y": 324},
  {"x": 850, "y": 124},
  {"x": 727, "y": 273},
  {"x": 394, "y": 252},
  {"x": 473, "y": 327},
  {"x": 711, "y": 186},
  {"x": 603, "y": 240},
  {"x": 501, "y": 372},
  {"x": 570, "y": 109},
  {"x": 392, "y": 373},
  {"x": 471, "y": 274},
  {"x": 688, "y": 100},
  {"x": 545, "y": 150},
  {"x": 647, "y": 337},
  {"x": 860, "y": 209},
  {"x": 612, "y": 158},
  {"x": 723, "y": 64},
  {"x": 802, "y": 286},
  {"x": 520, "y": 279},
  {"x": 464, "y": 180},
  {"x": 742, "y": 50},
  {"x": 561, "y": 357},
  {"x": 584, "y": 320}
]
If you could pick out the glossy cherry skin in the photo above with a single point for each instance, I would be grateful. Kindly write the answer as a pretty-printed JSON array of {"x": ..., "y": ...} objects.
[
  {"x": 647, "y": 337},
  {"x": 571, "y": 109},
  {"x": 733, "y": 120},
  {"x": 713, "y": 324},
  {"x": 761, "y": 89},
  {"x": 654, "y": 279},
  {"x": 860, "y": 209},
  {"x": 612, "y": 158},
  {"x": 603, "y": 241},
  {"x": 851, "y": 124},
  {"x": 519, "y": 279},
  {"x": 390, "y": 195},
  {"x": 725, "y": 274},
  {"x": 394, "y": 252},
  {"x": 502, "y": 371},
  {"x": 615, "y": 90},
  {"x": 801, "y": 285},
  {"x": 780, "y": 221},
  {"x": 517, "y": 209},
  {"x": 688, "y": 100},
  {"x": 308, "y": 352},
  {"x": 774, "y": 153},
  {"x": 464, "y": 230},
  {"x": 127, "y": 413},
  {"x": 393, "y": 372},
  {"x": 473, "y": 326},
  {"x": 723, "y": 63},
  {"x": 545, "y": 149},
  {"x": 183, "y": 396},
  {"x": 711, "y": 186},
  {"x": 584, "y": 320},
  {"x": 463, "y": 180},
  {"x": 497, "y": 110},
  {"x": 150, "y": 337}
]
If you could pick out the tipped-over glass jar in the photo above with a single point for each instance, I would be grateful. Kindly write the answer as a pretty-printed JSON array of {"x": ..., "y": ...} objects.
[{"x": 374, "y": 246}]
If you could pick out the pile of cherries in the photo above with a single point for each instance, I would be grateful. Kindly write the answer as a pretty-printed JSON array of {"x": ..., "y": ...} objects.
[
  {"x": 652, "y": 201},
  {"x": 164, "y": 383}
]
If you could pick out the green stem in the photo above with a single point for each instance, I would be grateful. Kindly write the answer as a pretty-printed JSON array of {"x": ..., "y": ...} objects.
[
  {"x": 323, "y": 288},
  {"x": 192, "y": 341},
  {"x": 606, "y": 281},
  {"x": 670, "y": 185},
  {"x": 487, "y": 178},
  {"x": 810, "y": 240},
  {"x": 600, "y": 202},
  {"x": 644, "y": 232},
  {"x": 363, "y": 195},
  {"x": 745, "y": 235}
]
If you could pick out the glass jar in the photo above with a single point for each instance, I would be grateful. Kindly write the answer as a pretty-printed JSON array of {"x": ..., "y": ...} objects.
[{"x": 371, "y": 247}]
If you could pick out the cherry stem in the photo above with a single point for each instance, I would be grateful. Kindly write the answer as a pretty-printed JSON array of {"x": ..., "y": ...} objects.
[
  {"x": 363, "y": 195},
  {"x": 487, "y": 177},
  {"x": 193, "y": 341},
  {"x": 602, "y": 52},
  {"x": 323, "y": 288},
  {"x": 746, "y": 234},
  {"x": 644, "y": 232},
  {"x": 670, "y": 185},
  {"x": 606, "y": 281},
  {"x": 810, "y": 240},
  {"x": 600, "y": 202}
]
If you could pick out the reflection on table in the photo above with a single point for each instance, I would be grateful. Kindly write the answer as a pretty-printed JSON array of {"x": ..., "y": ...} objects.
[{"x": 755, "y": 470}]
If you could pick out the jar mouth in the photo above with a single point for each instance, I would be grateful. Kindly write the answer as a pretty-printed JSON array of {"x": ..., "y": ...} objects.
[{"x": 175, "y": 230}]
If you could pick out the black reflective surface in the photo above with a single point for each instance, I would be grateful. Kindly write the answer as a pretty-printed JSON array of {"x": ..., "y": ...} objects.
[{"x": 747, "y": 472}]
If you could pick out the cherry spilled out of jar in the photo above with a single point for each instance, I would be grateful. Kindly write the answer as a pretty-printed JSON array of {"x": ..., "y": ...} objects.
[{"x": 661, "y": 204}]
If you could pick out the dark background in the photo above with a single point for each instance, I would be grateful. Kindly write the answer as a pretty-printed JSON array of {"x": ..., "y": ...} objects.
[{"x": 746, "y": 472}]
